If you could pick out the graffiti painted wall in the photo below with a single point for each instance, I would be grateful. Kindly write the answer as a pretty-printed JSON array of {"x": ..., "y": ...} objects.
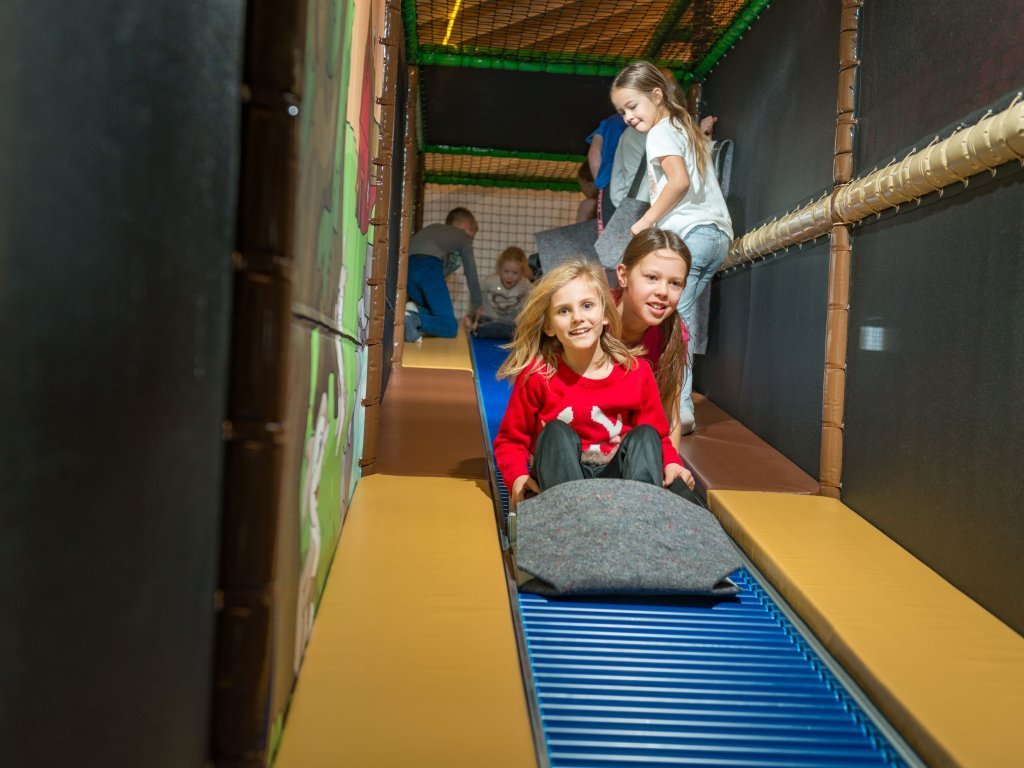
[{"x": 339, "y": 128}]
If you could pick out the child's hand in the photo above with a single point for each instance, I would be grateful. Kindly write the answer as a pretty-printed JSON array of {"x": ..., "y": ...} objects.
[
  {"x": 520, "y": 486},
  {"x": 640, "y": 226},
  {"x": 677, "y": 471},
  {"x": 707, "y": 125},
  {"x": 470, "y": 322}
]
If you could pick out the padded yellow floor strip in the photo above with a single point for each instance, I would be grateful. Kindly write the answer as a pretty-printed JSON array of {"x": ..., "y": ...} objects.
[
  {"x": 413, "y": 659},
  {"x": 948, "y": 674},
  {"x": 432, "y": 352}
]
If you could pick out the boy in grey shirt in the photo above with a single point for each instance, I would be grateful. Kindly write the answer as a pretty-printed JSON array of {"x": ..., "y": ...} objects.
[{"x": 435, "y": 251}]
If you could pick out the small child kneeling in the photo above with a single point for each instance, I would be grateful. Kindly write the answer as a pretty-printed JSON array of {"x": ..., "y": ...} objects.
[{"x": 504, "y": 294}]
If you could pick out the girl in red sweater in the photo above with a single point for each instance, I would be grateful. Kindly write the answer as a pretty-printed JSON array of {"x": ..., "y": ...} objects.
[{"x": 582, "y": 404}]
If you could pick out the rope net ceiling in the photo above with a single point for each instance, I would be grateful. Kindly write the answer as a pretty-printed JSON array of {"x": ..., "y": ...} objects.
[
  {"x": 447, "y": 166},
  {"x": 594, "y": 37},
  {"x": 581, "y": 32}
]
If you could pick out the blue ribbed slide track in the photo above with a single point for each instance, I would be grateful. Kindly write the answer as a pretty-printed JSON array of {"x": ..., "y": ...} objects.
[{"x": 690, "y": 682}]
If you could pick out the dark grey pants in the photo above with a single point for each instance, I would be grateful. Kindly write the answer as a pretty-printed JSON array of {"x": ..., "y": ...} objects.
[{"x": 556, "y": 459}]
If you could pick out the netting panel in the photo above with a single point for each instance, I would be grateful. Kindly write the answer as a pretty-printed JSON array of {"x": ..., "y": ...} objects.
[
  {"x": 914, "y": 84},
  {"x": 589, "y": 31},
  {"x": 505, "y": 217},
  {"x": 765, "y": 359},
  {"x": 493, "y": 169},
  {"x": 934, "y": 437},
  {"x": 698, "y": 28},
  {"x": 776, "y": 99}
]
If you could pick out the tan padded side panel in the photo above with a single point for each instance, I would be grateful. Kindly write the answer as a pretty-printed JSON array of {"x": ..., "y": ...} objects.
[
  {"x": 451, "y": 354},
  {"x": 413, "y": 658},
  {"x": 948, "y": 674}
]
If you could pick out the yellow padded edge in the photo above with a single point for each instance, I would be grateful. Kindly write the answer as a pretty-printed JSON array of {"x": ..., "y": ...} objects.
[
  {"x": 413, "y": 658},
  {"x": 947, "y": 674},
  {"x": 432, "y": 352}
]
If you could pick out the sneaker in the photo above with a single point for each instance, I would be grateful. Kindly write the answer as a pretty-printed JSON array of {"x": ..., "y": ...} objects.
[
  {"x": 412, "y": 326},
  {"x": 687, "y": 422},
  {"x": 410, "y": 306}
]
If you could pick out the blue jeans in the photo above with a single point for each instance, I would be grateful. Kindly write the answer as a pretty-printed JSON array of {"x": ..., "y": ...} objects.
[
  {"x": 708, "y": 248},
  {"x": 427, "y": 289}
]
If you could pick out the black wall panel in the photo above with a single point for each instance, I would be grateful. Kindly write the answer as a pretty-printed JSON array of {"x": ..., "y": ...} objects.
[
  {"x": 934, "y": 440},
  {"x": 926, "y": 66},
  {"x": 118, "y": 176},
  {"x": 524, "y": 111},
  {"x": 775, "y": 97},
  {"x": 766, "y": 350}
]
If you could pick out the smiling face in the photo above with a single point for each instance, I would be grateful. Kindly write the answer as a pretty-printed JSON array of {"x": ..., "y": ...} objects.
[
  {"x": 511, "y": 273},
  {"x": 576, "y": 316},
  {"x": 638, "y": 109},
  {"x": 652, "y": 287}
]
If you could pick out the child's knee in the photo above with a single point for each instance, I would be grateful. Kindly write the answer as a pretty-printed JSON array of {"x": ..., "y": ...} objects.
[
  {"x": 447, "y": 328},
  {"x": 558, "y": 432},
  {"x": 646, "y": 434},
  {"x": 559, "y": 428}
]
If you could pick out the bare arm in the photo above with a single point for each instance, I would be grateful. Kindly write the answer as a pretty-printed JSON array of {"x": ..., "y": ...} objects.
[
  {"x": 594, "y": 154},
  {"x": 676, "y": 186}
]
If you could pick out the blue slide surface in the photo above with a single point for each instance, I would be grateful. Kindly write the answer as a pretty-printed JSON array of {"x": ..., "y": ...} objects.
[{"x": 681, "y": 681}]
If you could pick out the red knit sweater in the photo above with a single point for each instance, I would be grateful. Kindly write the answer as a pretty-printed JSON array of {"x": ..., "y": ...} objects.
[{"x": 598, "y": 409}]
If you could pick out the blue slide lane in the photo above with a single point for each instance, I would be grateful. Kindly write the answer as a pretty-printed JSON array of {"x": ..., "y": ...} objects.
[{"x": 681, "y": 681}]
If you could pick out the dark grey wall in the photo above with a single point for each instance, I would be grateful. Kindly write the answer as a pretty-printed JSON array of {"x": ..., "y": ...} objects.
[
  {"x": 766, "y": 350},
  {"x": 506, "y": 109},
  {"x": 118, "y": 145},
  {"x": 775, "y": 97},
  {"x": 934, "y": 432},
  {"x": 934, "y": 439},
  {"x": 959, "y": 58}
]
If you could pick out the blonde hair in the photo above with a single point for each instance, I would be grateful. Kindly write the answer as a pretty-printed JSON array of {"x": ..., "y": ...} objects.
[
  {"x": 672, "y": 361},
  {"x": 644, "y": 77},
  {"x": 518, "y": 255},
  {"x": 533, "y": 349}
]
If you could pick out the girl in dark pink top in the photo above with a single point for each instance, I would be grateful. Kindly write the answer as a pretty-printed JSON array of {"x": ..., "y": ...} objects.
[{"x": 651, "y": 277}]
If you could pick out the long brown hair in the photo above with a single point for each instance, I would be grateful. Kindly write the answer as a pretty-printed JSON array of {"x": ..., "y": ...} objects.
[
  {"x": 531, "y": 345},
  {"x": 672, "y": 362},
  {"x": 644, "y": 77}
]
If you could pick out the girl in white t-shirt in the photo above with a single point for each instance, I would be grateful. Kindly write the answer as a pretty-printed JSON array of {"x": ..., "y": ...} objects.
[{"x": 685, "y": 196}]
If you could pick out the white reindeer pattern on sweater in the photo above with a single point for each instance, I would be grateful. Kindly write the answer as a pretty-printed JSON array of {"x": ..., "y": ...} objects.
[{"x": 594, "y": 454}]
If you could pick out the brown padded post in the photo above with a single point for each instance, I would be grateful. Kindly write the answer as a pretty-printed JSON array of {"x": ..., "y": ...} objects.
[
  {"x": 834, "y": 390},
  {"x": 830, "y": 469},
  {"x": 379, "y": 263},
  {"x": 408, "y": 199},
  {"x": 260, "y": 334}
]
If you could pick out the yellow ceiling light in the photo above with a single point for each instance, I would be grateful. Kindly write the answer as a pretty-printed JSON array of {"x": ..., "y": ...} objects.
[{"x": 451, "y": 22}]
